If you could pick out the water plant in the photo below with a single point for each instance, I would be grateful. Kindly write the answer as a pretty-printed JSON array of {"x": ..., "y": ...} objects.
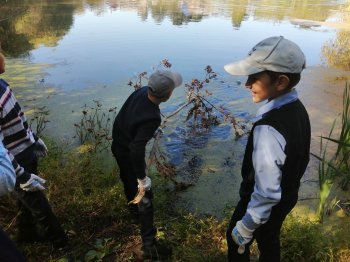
[
  {"x": 343, "y": 150},
  {"x": 201, "y": 111},
  {"x": 39, "y": 120},
  {"x": 326, "y": 176},
  {"x": 94, "y": 127}
]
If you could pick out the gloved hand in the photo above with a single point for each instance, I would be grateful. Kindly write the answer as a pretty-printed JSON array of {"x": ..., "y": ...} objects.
[
  {"x": 40, "y": 149},
  {"x": 241, "y": 235},
  {"x": 143, "y": 185},
  {"x": 34, "y": 183}
]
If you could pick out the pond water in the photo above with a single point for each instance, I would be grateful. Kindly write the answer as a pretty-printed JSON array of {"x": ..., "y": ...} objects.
[{"x": 64, "y": 54}]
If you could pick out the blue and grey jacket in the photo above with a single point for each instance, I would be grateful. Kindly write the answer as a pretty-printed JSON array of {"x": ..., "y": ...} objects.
[
  {"x": 276, "y": 157},
  {"x": 7, "y": 173}
]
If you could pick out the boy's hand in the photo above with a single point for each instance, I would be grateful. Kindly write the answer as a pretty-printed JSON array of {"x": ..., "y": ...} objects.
[
  {"x": 143, "y": 186},
  {"x": 40, "y": 149},
  {"x": 140, "y": 194},
  {"x": 241, "y": 234},
  {"x": 34, "y": 183}
]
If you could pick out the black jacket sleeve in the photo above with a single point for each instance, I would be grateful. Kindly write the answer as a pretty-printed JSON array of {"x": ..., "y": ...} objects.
[{"x": 138, "y": 146}]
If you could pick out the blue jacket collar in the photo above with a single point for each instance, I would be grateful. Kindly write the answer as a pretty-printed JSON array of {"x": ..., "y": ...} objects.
[{"x": 277, "y": 102}]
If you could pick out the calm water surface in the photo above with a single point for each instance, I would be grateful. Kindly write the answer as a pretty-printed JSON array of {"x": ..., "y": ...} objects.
[{"x": 64, "y": 54}]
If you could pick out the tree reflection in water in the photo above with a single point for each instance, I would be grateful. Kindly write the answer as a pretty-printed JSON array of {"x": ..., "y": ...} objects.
[
  {"x": 25, "y": 25},
  {"x": 337, "y": 52}
]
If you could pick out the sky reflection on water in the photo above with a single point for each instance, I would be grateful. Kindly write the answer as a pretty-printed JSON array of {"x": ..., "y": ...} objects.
[{"x": 104, "y": 50}]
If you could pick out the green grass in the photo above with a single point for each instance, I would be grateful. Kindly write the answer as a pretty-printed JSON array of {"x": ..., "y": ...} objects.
[
  {"x": 87, "y": 197},
  {"x": 305, "y": 240}
]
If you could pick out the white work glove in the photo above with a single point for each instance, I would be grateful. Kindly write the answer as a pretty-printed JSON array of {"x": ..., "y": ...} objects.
[
  {"x": 144, "y": 183},
  {"x": 241, "y": 235},
  {"x": 40, "y": 149},
  {"x": 143, "y": 186},
  {"x": 34, "y": 183}
]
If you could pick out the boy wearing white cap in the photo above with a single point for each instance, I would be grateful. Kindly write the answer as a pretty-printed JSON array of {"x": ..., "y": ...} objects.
[
  {"x": 277, "y": 151},
  {"x": 133, "y": 127}
]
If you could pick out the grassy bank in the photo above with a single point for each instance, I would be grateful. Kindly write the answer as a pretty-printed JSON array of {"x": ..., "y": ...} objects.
[{"x": 88, "y": 199}]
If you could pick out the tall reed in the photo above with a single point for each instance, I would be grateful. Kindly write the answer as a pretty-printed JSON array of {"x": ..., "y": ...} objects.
[{"x": 338, "y": 166}]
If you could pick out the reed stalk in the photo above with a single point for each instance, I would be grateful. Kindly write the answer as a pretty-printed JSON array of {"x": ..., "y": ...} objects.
[{"x": 338, "y": 166}]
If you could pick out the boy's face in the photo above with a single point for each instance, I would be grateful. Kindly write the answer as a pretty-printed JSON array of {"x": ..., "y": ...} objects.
[
  {"x": 262, "y": 87},
  {"x": 2, "y": 64}
]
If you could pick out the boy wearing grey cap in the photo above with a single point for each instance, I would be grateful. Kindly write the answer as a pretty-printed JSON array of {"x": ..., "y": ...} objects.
[
  {"x": 133, "y": 127},
  {"x": 277, "y": 151}
]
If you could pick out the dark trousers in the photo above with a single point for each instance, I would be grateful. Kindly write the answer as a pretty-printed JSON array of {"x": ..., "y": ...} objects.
[
  {"x": 8, "y": 251},
  {"x": 145, "y": 207},
  {"x": 36, "y": 221},
  {"x": 267, "y": 235}
]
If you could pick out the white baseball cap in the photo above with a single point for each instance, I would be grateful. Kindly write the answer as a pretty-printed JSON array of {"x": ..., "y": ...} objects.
[
  {"x": 275, "y": 54},
  {"x": 161, "y": 82}
]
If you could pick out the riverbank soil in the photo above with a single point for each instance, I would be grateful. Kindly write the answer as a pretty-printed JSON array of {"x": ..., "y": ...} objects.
[{"x": 321, "y": 90}]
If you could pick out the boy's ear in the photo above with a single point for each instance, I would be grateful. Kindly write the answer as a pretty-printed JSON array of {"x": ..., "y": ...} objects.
[{"x": 282, "y": 82}]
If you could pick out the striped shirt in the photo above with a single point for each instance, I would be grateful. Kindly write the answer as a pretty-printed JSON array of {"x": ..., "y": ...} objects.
[{"x": 14, "y": 129}]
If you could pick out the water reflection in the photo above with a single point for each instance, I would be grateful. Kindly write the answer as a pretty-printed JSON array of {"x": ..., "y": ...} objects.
[
  {"x": 25, "y": 25},
  {"x": 12, "y": 42},
  {"x": 337, "y": 51}
]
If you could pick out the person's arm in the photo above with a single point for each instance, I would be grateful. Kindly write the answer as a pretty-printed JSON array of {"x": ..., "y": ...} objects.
[
  {"x": 13, "y": 122},
  {"x": 26, "y": 181},
  {"x": 7, "y": 173},
  {"x": 15, "y": 131},
  {"x": 268, "y": 159},
  {"x": 12, "y": 127},
  {"x": 138, "y": 146}
]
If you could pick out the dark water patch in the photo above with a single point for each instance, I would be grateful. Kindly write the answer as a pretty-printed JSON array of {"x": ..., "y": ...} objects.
[
  {"x": 228, "y": 162},
  {"x": 190, "y": 171},
  {"x": 184, "y": 141}
]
